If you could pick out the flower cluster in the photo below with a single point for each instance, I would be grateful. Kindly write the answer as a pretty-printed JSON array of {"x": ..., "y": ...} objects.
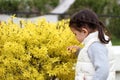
[{"x": 36, "y": 50}]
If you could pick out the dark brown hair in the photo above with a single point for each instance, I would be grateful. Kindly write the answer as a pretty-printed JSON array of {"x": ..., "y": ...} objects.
[{"x": 88, "y": 17}]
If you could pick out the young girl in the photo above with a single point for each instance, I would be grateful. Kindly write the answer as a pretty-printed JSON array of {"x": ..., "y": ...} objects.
[{"x": 95, "y": 60}]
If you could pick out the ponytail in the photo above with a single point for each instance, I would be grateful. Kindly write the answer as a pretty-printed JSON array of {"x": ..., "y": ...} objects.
[{"x": 101, "y": 33}]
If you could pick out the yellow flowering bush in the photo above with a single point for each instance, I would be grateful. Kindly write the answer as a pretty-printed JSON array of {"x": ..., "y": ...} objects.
[{"x": 36, "y": 50}]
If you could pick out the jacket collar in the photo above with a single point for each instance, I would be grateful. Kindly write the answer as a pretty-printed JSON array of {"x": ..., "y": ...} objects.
[{"x": 93, "y": 35}]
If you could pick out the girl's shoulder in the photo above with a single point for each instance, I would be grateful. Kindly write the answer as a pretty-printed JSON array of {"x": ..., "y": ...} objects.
[
  {"x": 97, "y": 46},
  {"x": 96, "y": 50}
]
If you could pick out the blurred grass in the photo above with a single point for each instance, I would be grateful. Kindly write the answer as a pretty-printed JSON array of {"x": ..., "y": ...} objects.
[{"x": 115, "y": 41}]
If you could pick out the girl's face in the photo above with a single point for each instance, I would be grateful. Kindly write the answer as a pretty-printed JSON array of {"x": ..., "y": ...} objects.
[{"x": 80, "y": 35}]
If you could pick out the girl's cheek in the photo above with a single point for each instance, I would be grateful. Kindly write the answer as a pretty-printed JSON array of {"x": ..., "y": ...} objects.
[{"x": 79, "y": 39}]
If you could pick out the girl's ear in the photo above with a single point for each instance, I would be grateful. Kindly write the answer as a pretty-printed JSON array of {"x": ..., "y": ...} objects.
[{"x": 85, "y": 30}]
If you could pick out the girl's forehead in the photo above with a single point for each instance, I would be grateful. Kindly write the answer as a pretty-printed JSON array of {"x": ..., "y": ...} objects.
[
  {"x": 74, "y": 26},
  {"x": 74, "y": 29}
]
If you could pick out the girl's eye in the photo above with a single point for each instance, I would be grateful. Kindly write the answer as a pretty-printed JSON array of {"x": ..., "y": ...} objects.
[{"x": 75, "y": 34}]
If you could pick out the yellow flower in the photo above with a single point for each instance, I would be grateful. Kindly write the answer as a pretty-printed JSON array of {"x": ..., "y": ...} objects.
[{"x": 36, "y": 50}]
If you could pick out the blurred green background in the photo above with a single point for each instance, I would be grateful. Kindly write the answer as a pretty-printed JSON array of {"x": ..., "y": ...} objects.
[
  {"x": 107, "y": 10},
  {"x": 39, "y": 7}
]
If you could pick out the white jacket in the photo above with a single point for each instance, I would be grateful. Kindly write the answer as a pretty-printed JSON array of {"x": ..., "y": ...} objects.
[{"x": 84, "y": 68}]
